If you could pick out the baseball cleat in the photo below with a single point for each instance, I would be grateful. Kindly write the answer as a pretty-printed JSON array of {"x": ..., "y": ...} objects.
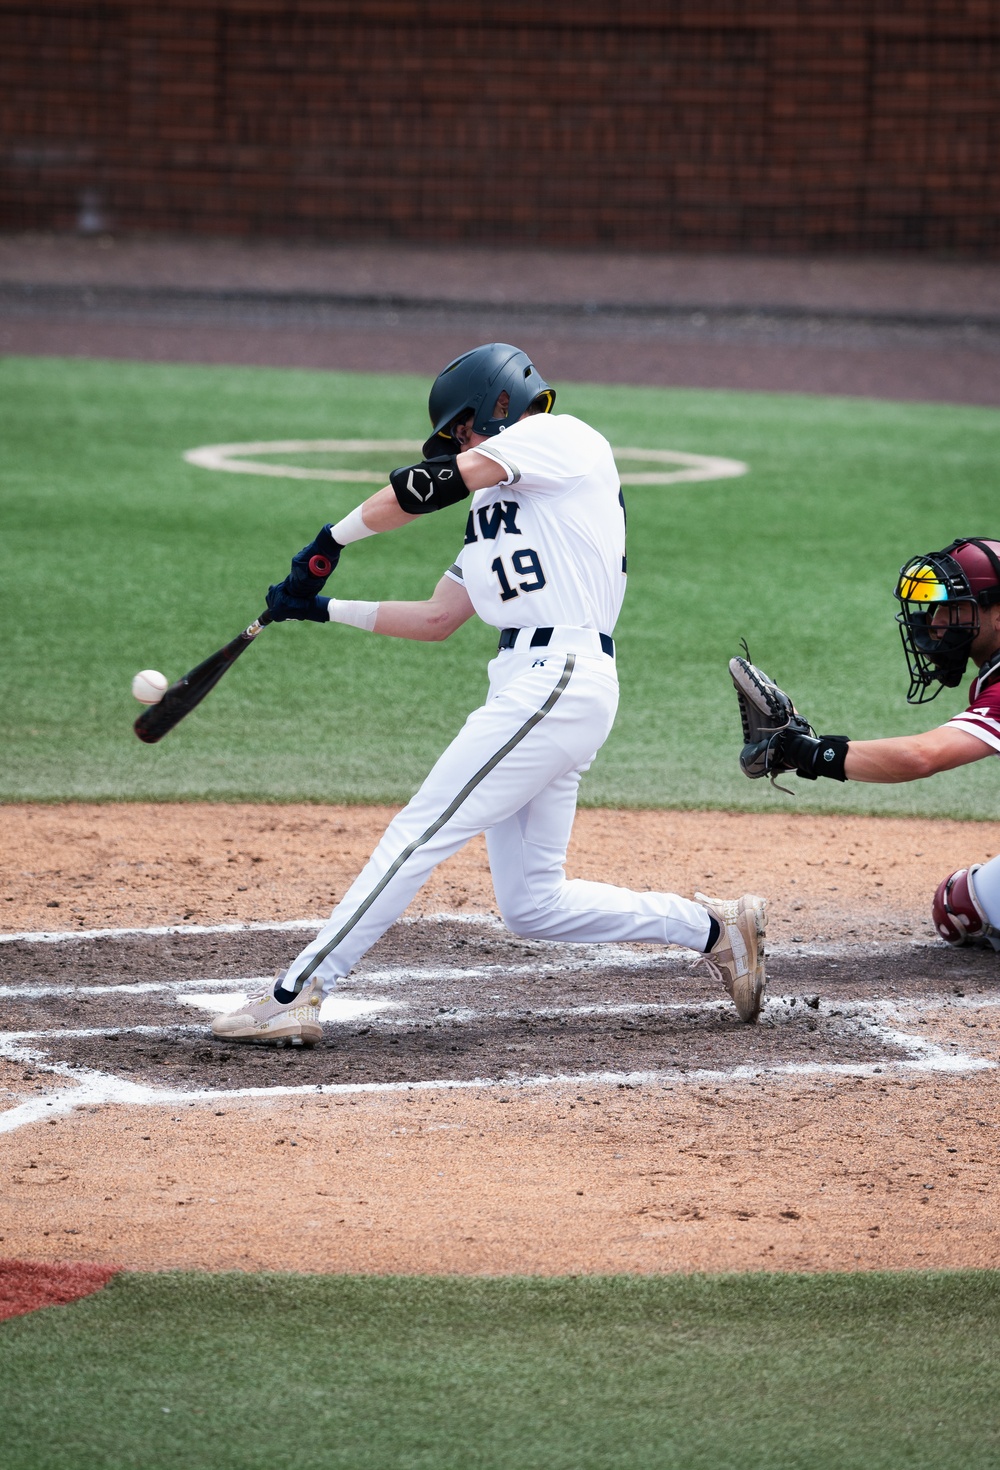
[
  {"x": 737, "y": 957},
  {"x": 265, "y": 1019}
]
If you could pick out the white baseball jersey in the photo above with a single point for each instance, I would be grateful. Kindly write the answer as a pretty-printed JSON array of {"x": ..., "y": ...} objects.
[{"x": 546, "y": 547}]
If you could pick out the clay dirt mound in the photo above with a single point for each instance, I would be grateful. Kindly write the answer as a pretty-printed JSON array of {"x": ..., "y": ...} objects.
[{"x": 25, "y": 1286}]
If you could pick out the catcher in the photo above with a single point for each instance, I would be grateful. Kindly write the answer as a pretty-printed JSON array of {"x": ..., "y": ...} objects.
[{"x": 949, "y": 612}]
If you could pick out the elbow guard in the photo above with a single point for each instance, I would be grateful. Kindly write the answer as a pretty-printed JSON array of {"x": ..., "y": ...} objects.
[{"x": 431, "y": 485}]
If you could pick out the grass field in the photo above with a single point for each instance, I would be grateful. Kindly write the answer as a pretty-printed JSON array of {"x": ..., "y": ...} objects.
[
  {"x": 704, "y": 1373},
  {"x": 117, "y": 555}
]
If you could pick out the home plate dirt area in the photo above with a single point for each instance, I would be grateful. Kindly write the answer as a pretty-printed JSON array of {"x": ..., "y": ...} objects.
[
  {"x": 462, "y": 1002},
  {"x": 481, "y": 1102}
]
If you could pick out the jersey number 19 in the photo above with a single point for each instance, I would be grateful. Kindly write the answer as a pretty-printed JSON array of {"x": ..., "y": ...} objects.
[{"x": 525, "y": 564}]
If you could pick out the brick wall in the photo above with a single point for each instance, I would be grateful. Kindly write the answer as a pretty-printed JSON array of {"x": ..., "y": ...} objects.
[{"x": 719, "y": 124}]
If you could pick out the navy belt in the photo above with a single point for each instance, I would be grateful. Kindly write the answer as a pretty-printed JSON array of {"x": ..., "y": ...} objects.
[{"x": 541, "y": 637}]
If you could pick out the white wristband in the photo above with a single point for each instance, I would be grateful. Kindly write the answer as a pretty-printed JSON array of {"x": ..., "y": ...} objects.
[
  {"x": 351, "y": 528},
  {"x": 356, "y": 614}
]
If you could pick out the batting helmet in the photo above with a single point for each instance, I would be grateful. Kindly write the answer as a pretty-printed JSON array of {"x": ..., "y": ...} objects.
[
  {"x": 958, "y": 915},
  {"x": 940, "y": 594},
  {"x": 473, "y": 384}
]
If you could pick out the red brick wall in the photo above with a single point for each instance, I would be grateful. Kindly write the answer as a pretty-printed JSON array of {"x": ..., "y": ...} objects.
[{"x": 720, "y": 124}]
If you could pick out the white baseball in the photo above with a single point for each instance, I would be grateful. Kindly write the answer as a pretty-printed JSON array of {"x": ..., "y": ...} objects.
[{"x": 149, "y": 686}]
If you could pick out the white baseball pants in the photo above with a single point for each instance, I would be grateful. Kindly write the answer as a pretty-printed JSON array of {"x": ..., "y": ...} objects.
[{"x": 512, "y": 772}]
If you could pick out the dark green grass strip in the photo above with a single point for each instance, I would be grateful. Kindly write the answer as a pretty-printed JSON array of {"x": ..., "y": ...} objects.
[{"x": 241, "y": 1371}]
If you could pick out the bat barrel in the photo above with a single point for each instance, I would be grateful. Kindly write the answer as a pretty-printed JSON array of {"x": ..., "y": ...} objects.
[{"x": 182, "y": 697}]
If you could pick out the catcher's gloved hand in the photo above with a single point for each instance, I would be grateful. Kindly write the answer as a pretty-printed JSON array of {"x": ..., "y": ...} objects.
[
  {"x": 775, "y": 737},
  {"x": 283, "y": 607}
]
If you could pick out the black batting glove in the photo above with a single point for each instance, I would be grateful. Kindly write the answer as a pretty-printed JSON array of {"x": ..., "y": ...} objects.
[
  {"x": 284, "y": 608},
  {"x": 312, "y": 565}
]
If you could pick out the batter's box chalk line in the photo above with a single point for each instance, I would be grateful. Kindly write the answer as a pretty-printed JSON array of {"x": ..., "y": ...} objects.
[
  {"x": 241, "y": 459},
  {"x": 620, "y": 955},
  {"x": 245, "y": 926},
  {"x": 882, "y": 1021},
  {"x": 62, "y": 936}
]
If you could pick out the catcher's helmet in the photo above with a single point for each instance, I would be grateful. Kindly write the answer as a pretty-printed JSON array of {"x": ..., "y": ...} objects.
[
  {"x": 961, "y": 579},
  {"x": 473, "y": 383}
]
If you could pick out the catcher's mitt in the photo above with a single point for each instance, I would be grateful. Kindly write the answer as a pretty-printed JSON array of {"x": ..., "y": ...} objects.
[{"x": 765, "y": 713}]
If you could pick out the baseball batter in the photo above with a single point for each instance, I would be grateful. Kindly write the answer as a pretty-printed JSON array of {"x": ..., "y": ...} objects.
[
  {"x": 949, "y": 612},
  {"x": 543, "y": 561}
]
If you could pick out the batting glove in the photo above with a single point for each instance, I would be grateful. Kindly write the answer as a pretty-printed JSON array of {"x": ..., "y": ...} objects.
[
  {"x": 284, "y": 608},
  {"x": 312, "y": 565}
]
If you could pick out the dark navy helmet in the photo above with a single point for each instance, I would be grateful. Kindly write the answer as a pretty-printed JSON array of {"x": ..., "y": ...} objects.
[{"x": 473, "y": 383}]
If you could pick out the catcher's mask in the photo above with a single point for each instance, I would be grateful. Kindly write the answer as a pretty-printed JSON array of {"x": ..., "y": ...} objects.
[
  {"x": 940, "y": 594},
  {"x": 473, "y": 383}
]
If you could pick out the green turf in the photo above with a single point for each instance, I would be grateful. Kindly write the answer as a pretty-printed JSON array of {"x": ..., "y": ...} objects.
[
  {"x": 116, "y": 555},
  {"x": 877, "y": 1372}
]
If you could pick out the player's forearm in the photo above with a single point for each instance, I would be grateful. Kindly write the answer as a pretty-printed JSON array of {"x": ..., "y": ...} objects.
[
  {"x": 380, "y": 512},
  {"x": 900, "y": 758},
  {"x": 429, "y": 621},
  {"x": 423, "y": 621},
  {"x": 912, "y": 757}
]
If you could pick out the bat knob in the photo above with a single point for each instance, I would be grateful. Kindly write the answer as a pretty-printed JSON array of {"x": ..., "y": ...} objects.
[{"x": 320, "y": 566}]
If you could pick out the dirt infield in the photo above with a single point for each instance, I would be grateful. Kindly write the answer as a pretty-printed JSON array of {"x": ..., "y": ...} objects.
[
  {"x": 482, "y": 1103},
  {"x": 92, "y": 866}
]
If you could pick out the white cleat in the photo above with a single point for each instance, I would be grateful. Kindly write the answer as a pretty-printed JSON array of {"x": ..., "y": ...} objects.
[
  {"x": 737, "y": 957},
  {"x": 265, "y": 1019}
]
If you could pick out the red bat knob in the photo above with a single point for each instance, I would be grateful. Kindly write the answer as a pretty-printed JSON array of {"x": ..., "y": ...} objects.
[{"x": 320, "y": 566}]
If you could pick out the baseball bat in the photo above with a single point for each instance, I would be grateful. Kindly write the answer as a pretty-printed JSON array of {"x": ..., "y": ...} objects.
[{"x": 180, "y": 699}]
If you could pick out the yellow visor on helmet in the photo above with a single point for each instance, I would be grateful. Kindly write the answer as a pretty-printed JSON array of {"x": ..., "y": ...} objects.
[{"x": 921, "y": 584}]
